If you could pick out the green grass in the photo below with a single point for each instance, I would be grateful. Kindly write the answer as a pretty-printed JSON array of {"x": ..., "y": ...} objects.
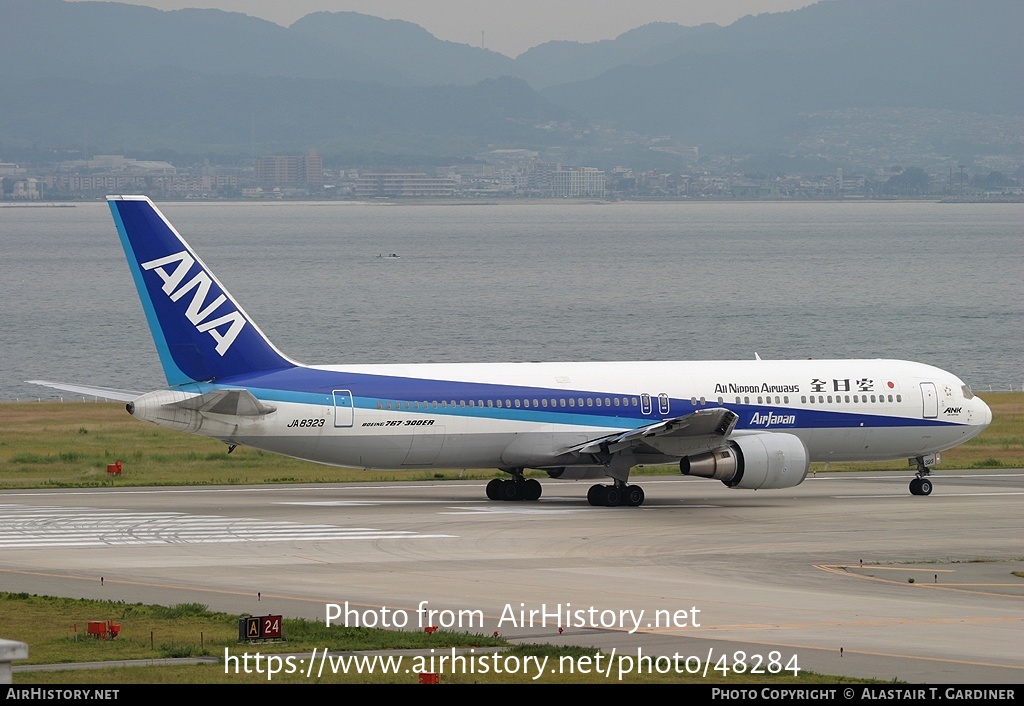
[{"x": 54, "y": 629}]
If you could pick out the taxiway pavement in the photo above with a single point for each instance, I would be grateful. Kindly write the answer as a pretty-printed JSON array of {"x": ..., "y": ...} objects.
[{"x": 847, "y": 573}]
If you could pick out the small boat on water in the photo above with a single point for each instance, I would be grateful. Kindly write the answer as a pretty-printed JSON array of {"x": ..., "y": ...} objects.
[{"x": 389, "y": 256}]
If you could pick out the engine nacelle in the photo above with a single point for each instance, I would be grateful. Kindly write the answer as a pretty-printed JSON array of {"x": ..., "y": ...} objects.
[
  {"x": 179, "y": 410},
  {"x": 753, "y": 461},
  {"x": 161, "y": 408}
]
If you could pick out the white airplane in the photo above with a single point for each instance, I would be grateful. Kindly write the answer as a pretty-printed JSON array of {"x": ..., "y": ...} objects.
[{"x": 751, "y": 424}]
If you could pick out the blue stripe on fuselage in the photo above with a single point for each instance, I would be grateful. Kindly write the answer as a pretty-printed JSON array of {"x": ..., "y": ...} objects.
[{"x": 315, "y": 386}]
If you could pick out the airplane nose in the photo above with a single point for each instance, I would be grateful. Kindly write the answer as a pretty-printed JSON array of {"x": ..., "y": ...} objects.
[{"x": 985, "y": 414}]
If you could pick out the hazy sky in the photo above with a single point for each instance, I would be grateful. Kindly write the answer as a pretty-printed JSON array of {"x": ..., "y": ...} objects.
[{"x": 508, "y": 26}]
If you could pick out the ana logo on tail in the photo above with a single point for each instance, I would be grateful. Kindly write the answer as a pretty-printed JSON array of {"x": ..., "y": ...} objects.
[{"x": 198, "y": 312}]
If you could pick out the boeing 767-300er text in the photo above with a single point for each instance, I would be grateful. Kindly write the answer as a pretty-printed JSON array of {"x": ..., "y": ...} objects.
[{"x": 750, "y": 424}]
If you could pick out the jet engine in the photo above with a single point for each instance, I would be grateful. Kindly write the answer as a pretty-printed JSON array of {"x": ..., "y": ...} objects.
[
  {"x": 753, "y": 461},
  {"x": 164, "y": 408},
  {"x": 219, "y": 414}
]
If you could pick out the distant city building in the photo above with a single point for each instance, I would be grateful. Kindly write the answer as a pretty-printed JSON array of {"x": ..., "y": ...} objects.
[
  {"x": 21, "y": 188},
  {"x": 552, "y": 180},
  {"x": 540, "y": 177},
  {"x": 578, "y": 182},
  {"x": 101, "y": 184},
  {"x": 399, "y": 184},
  {"x": 281, "y": 170},
  {"x": 108, "y": 174}
]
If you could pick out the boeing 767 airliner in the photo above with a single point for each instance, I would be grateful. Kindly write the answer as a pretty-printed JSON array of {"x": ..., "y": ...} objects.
[{"x": 750, "y": 424}]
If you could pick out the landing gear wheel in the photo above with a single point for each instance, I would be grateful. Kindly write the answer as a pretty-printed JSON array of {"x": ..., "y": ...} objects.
[
  {"x": 516, "y": 488},
  {"x": 532, "y": 489},
  {"x": 920, "y": 486},
  {"x": 634, "y": 496},
  {"x": 612, "y": 495},
  {"x": 494, "y": 489},
  {"x": 510, "y": 490}
]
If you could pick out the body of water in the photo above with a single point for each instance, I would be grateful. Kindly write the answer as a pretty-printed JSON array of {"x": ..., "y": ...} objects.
[{"x": 936, "y": 283}]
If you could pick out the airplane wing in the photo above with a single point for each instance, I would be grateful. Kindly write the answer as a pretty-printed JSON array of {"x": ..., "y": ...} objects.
[
  {"x": 692, "y": 433},
  {"x": 107, "y": 393}
]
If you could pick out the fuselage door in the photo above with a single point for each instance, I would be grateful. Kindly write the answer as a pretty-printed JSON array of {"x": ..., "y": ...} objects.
[
  {"x": 663, "y": 406},
  {"x": 930, "y": 398},
  {"x": 343, "y": 409}
]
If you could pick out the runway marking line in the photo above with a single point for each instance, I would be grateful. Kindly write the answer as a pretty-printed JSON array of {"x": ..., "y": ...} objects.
[{"x": 852, "y": 571}]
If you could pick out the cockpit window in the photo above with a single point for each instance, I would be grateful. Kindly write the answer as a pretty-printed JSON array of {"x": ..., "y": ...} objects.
[{"x": 968, "y": 395}]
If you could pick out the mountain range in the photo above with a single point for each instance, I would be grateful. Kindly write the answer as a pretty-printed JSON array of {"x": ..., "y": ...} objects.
[{"x": 111, "y": 77}]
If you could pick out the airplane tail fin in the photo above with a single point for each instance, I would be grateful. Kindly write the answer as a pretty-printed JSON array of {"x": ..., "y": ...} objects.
[{"x": 200, "y": 331}]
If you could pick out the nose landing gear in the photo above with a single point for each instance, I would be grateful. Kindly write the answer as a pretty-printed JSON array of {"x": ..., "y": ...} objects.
[{"x": 921, "y": 485}]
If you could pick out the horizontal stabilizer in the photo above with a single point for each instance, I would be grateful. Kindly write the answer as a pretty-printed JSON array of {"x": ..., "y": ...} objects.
[
  {"x": 238, "y": 403},
  {"x": 107, "y": 393}
]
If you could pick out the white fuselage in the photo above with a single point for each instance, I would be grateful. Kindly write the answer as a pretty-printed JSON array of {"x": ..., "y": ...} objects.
[{"x": 510, "y": 415}]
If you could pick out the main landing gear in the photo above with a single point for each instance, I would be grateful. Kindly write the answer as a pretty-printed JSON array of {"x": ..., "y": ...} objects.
[
  {"x": 613, "y": 495},
  {"x": 519, "y": 488},
  {"x": 921, "y": 485},
  {"x": 516, "y": 488}
]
